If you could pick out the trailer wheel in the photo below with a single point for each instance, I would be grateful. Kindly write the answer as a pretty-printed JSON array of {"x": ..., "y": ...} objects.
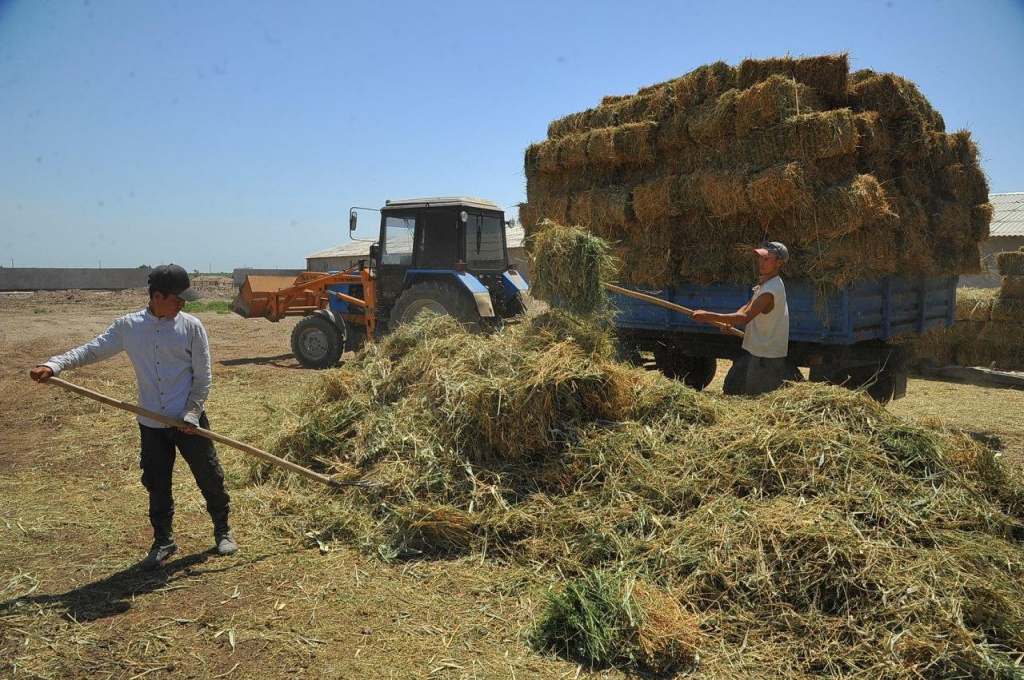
[
  {"x": 317, "y": 343},
  {"x": 695, "y": 372},
  {"x": 439, "y": 297}
]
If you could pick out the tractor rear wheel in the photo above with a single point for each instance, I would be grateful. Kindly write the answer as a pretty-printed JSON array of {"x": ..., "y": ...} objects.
[
  {"x": 317, "y": 343},
  {"x": 439, "y": 297}
]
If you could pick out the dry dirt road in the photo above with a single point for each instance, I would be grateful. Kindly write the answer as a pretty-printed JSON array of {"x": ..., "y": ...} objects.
[{"x": 73, "y": 523}]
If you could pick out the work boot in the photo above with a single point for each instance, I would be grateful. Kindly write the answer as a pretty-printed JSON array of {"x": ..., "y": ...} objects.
[
  {"x": 158, "y": 554},
  {"x": 225, "y": 542}
]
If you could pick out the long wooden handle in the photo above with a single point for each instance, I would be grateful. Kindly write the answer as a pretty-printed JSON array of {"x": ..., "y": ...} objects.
[
  {"x": 670, "y": 305},
  {"x": 174, "y": 422}
]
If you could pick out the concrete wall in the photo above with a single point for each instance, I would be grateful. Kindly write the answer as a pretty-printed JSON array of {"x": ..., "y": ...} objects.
[
  {"x": 40, "y": 278},
  {"x": 989, "y": 249}
]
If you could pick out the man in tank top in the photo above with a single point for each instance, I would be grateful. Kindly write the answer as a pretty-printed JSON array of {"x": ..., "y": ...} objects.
[{"x": 763, "y": 366}]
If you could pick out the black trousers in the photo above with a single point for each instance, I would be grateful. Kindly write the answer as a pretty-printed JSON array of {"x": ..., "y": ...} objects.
[
  {"x": 753, "y": 376},
  {"x": 157, "y": 460}
]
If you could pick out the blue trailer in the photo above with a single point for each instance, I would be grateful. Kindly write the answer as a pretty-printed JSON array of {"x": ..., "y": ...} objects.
[{"x": 849, "y": 337}]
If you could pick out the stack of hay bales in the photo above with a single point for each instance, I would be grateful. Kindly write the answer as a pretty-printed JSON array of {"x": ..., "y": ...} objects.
[
  {"x": 989, "y": 328},
  {"x": 855, "y": 172}
]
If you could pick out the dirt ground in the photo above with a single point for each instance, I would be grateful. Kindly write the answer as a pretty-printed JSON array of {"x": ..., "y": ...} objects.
[{"x": 73, "y": 523}]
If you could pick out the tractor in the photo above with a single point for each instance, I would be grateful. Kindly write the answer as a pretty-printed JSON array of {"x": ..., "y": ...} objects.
[{"x": 445, "y": 255}]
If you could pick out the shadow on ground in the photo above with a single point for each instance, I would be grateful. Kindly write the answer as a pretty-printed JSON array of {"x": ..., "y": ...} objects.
[{"x": 112, "y": 595}]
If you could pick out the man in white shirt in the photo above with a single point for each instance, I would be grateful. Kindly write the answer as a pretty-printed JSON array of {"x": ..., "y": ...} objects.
[
  {"x": 171, "y": 355},
  {"x": 763, "y": 366}
]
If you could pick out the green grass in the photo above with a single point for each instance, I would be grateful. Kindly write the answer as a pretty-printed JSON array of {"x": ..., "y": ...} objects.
[
  {"x": 218, "y": 306},
  {"x": 42, "y": 310}
]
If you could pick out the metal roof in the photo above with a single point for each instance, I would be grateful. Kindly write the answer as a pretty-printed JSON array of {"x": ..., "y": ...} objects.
[
  {"x": 513, "y": 235},
  {"x": 1008, "y": 219}
]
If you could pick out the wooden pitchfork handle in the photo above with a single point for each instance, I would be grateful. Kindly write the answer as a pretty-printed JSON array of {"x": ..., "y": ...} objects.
[
  {"x": 731, "y": 330},
  {"x": 174, "y": 422}
]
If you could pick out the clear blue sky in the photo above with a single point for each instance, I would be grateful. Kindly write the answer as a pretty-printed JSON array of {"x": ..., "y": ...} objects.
[{"x": 238, "y": 132}]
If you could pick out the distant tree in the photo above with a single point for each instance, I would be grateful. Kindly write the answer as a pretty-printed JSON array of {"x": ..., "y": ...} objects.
[{"x": 144, "y": 266}]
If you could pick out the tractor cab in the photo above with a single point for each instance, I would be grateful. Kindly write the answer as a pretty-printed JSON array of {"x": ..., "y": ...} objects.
[{"x": 448, "y": 255}]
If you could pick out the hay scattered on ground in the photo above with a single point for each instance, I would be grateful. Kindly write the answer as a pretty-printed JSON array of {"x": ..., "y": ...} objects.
[
  {"x": 809, "y": 532},
  {"x": 771, "y": 148}
]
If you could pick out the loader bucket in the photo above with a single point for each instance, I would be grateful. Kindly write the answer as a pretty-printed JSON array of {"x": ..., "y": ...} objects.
[{"x": 253, "y": 299}]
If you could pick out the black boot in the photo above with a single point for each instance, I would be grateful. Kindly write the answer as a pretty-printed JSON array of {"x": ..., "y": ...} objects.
[
  {"x": 223, "y": 538},
  {"x": 163, "y": 547}
]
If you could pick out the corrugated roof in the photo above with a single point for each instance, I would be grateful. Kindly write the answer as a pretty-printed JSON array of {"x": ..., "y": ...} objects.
[
  {"x": 514, "y": 236},
  {"x": 1008, "y": 219}
]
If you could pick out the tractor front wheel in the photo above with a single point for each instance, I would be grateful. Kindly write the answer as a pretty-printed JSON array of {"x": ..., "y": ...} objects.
[
  {"x": 439, "y": 297},
  {"x": 317, "y": 343}
]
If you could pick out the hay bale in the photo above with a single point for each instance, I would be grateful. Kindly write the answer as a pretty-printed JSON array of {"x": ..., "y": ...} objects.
[
  {"x": 574, "y": 123},
  {"x": 778, "y": 190},
  {"x": 714, "y": 120},
  {"x": 545, "y": 157},
  {"x": 844, "y": 209},
  {"x": 703, "y": 83},
  {"x": 826, "y": 74},
  {"x": 724, "y": 193},
  {"x": 572, "y": 154},
  {"x": 894, "y": 98},
  {"x": 981, "y": 219},
  {"x": 654, "y": 202},
  {"x": 601, "y": 150},
  {"x": 554, "y": 208},
  {"x": 633, "y": 143},
  {"x": 1007, "y": 310},
  {"x": 650, "y": 104},
  {"x": 1012, "y": 288},
  {"x": 1011, "y": 263},
  {"x": 603, "y": 206},
  {"x": 974, "y": 304},
  {"x": 821, "y": 135},
  {"x": 772, "y": 101}
]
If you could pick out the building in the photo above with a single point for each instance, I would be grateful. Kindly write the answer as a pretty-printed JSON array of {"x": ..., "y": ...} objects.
[
  {"x": 1006, "y": 233},
  {"x": 348, "y": 254}
]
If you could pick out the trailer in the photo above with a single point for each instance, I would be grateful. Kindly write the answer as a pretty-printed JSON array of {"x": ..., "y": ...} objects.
[{"x": 854, "y": 337}]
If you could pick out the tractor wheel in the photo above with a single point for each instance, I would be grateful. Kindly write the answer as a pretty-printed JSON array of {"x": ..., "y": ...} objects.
[
  {"x": 317, "y": 343},
  {"x": 695, "y": 372},
  {"x": 439, "y": 297}
]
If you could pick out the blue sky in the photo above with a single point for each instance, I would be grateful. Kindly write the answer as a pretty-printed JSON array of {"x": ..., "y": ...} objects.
[{"x": 239, "y": 132}]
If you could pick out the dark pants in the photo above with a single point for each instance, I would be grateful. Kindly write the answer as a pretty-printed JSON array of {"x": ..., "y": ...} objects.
[
  {"x": 158, "y": 445},
  {"x": 752, "y": 375}
]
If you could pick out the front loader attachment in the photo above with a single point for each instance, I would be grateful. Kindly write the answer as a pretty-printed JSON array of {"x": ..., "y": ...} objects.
[{"x": 256, "y": 294}]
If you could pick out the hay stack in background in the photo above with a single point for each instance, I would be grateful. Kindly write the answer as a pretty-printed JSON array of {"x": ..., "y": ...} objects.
[
  {"x": 686, "y": 173},
  {"x": 989, "y": 329}
]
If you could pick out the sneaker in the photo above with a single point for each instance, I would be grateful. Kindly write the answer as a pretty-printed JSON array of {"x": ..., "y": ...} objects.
[
  {"x": 226, "y": 545},
  {"x": 157, "y": 555}
]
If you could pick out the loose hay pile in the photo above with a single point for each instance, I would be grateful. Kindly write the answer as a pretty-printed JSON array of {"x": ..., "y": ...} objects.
[
  {"x": 809, "y": 533},
  {"x": 854, "y": 171}
]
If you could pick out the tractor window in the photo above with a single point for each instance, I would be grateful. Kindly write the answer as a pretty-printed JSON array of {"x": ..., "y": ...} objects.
[
  {"x": 438, "y": 248},
  {"x": 484, "y": 242},
  {"x": 398, "y": 235}
]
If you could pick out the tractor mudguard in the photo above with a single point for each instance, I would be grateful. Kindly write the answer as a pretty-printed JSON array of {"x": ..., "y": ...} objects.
[
  {"x": 481, "y": 296},
  {"x": 335, "y": 319},
  {"x": 512, "y": 283}
]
